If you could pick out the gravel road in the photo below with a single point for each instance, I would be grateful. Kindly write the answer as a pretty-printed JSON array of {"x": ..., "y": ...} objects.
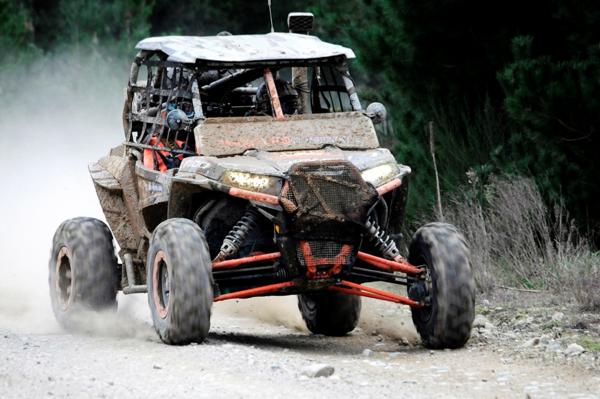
[{"x": 259, "y": 349}]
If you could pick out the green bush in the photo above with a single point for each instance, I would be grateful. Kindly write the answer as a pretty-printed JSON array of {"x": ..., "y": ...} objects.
[{"x": 553, "y": 106}]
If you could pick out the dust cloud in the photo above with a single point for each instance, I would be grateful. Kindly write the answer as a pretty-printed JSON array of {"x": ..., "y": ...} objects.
[
  {"x": 58, "y": 115},
  {"x": 377, "y": 318},
  {"x": 278, "y": 311}
]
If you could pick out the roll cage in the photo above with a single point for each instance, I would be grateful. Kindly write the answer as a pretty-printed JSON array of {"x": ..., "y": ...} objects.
[{"x": 160, "y": 90}]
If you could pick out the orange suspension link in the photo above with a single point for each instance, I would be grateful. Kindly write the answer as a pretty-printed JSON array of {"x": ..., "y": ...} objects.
[
  {"x": 351, "y": 288},
  {"x": 388, "y": 265},
  {"x": 266, "y": 289},
  {"x": 227, "y": 264}
]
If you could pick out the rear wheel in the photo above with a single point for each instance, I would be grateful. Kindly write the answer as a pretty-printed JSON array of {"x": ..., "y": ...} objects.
[
  {"x": 83, "y": 271},
  {"x": 179, "y": 281},
  {"x": 330, "y": 313},
  {"x": 449, "y": 289}
]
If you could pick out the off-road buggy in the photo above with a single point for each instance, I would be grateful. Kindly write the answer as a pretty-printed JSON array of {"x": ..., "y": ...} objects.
[{"x": 249, "y": 169}]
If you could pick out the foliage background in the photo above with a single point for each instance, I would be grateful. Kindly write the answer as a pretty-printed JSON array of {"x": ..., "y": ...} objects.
[{"x": 512, "y": 87}]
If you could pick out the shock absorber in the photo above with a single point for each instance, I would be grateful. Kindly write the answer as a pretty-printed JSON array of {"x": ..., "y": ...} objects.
[
  {"x": 382, "y": 241},
  {"x": 238, "y": 234}
]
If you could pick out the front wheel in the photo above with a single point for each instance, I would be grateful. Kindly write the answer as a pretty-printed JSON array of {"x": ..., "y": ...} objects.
[
  {"x": 449, "y": 289},
  {"x": 179, "y": 281}
]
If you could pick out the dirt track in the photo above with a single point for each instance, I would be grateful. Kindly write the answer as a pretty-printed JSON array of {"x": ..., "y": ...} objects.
[{"x": 264, "y": 356}]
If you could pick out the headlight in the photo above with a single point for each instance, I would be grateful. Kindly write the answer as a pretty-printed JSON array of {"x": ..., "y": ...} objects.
[
  {"x": 251, "y": 181},
  {"x": 381, "y": 174}
]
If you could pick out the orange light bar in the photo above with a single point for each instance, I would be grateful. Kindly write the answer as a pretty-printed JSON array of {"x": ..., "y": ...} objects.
[
  {"x": 227, "y": 264},
  {"x": 388, "y": 265},
  {"x": 266, "y": 289}
]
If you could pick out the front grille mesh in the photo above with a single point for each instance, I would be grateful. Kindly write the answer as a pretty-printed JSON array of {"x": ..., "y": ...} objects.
[
  {"x": 330, "y": 191},
  {"x": 326, "y": 205}
]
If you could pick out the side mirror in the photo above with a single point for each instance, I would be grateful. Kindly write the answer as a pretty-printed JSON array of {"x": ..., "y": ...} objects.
[{"x": 377, "y": 113}]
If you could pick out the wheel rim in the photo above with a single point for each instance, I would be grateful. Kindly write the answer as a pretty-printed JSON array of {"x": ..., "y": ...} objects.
[
  {"x": 161, "y": 284},
  {"x": 64, "y": 278},
  {"x": 426, "y": 312}
]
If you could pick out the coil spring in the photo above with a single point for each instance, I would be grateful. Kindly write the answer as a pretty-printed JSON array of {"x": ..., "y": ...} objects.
[
  {"x": 238, "y": 234},
  {"x": 381, "y": 240},
  {"x": 282, "y": 273}
]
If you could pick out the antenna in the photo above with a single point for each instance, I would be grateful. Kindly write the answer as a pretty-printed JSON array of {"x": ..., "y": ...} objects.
[{"x": 270, "y": 15}]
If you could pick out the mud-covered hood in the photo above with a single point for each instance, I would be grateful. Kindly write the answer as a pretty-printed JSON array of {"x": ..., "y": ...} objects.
[
  {"x": 229, "y": 136},
  {"x": 278, "y": 163}
]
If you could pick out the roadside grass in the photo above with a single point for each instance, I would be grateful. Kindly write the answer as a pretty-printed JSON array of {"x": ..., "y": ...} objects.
[
  {"x": 517, "y": 241},
  {"x": 590, "y": 344},
  {"x": 482, "y": 310},
  {"x": 551, "y": 324}
]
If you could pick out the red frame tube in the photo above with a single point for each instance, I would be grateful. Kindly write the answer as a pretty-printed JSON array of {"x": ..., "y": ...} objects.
[
  {"x": 275, "y": 103},
  {"x": 253, "y": 196},
  {"x": 389, "y": 186},
  {"x": 312, "y": 263},
  {"x": 265, "y": 289},
  {"x": 227, "y": 264},
  {"x": 388, "y": 265},
  {"x": 361, "y": 290},
  {"x": 346, "y": 287}
]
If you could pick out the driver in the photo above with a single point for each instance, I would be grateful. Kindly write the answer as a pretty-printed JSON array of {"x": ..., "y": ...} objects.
[{"x": 175, "y": 116}]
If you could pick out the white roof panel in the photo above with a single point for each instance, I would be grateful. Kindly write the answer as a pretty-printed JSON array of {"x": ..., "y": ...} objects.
[{"x": 243, "y": 48}]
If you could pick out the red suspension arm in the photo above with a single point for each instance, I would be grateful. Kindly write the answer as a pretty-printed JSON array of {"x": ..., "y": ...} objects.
[
  {"x": 266, "y": 289},
  {"x": 388, "y": 265},
  {"x": 351, "y": 288},
  {"x": 227, "y": 264}
]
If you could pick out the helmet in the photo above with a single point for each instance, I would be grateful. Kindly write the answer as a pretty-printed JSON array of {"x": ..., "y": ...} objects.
[
  {"x": 288, "y": 97},
  {"x": 176, "y": 119},
  {"x": 178, "y": 115},
  {"x": 186, "y": 106}
]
